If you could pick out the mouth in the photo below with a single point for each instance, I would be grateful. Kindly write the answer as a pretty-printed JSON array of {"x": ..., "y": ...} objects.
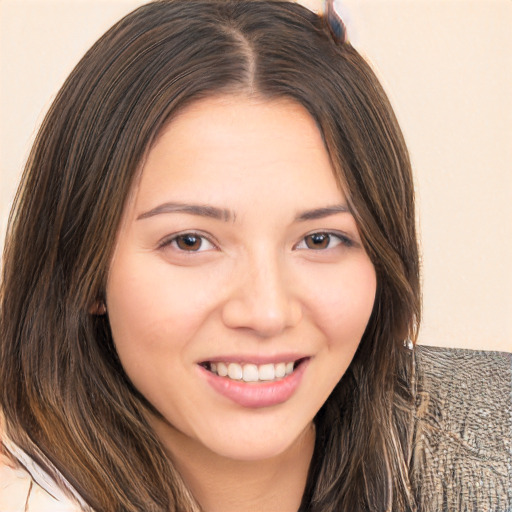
[{"x": 251, "y": 372}]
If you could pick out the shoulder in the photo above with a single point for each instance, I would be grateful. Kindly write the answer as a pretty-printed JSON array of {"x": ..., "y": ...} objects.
[
  {"x": 19, "y": 492},
  {"x": 462, "y": 447}
]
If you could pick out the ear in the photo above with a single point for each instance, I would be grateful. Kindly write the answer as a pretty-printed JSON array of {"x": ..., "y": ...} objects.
[{"x": 98, "y": 308}]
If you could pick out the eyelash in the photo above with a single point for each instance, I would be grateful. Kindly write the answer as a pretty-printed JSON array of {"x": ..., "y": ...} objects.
[{"x": 302, "y": 245}]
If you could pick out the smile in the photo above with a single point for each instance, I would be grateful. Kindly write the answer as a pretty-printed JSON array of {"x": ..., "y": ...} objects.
[
  {"x": 252, "y": 372},
  {"x": 252, "y": 385}
]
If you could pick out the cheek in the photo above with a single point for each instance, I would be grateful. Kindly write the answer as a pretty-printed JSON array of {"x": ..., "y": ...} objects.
[
  {"x": 345, "y": 304},
  {"x": 151, "y": 303}
]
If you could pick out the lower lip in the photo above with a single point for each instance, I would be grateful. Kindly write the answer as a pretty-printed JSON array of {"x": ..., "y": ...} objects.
[{"x": 255, "y": 395}]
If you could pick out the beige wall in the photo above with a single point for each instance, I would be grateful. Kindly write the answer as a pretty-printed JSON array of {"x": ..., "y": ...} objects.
[{"x": 447, "y": 66}]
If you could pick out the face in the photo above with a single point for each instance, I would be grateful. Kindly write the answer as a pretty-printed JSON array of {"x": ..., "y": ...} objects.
[{"x": 239, "y": 289}]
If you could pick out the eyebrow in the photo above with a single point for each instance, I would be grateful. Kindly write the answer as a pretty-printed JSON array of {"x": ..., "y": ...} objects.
[
  {"x": 226, "y": 215},
  {"x": 192, "y": 209},
  {"x": 320, "y": 213}
]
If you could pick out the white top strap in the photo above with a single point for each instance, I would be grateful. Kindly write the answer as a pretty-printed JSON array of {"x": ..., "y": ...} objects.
[{"x": 28, "y": 484}]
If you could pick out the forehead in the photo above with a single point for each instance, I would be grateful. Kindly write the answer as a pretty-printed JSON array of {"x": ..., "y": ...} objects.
[{"x": 239, "y": 146}]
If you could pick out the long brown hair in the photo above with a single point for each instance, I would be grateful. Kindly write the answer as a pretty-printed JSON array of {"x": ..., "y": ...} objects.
[{"x": 64, "y": 396}]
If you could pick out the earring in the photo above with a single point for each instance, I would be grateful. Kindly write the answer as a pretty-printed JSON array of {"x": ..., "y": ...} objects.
[{"x": 408, "y": 344}]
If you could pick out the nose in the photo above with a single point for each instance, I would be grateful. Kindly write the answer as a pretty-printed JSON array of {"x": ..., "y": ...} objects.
[{"x": 263, "y": 300}]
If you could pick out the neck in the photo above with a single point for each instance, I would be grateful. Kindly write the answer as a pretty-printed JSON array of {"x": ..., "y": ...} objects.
[{"x": 220, "y": 484}]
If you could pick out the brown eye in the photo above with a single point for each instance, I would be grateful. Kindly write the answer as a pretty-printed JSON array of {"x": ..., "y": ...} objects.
[
  {"x": 322, "y": 240},
  {"x": 317, "y": 241},
  {"x": 189, "y": 242}
]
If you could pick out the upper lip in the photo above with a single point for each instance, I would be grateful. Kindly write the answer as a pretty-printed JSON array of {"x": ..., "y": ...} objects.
[{"x": 284, "y": 357}]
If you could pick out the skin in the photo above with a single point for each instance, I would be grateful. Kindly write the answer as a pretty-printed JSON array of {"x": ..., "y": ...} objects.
[{"x": 256, "y": 285}]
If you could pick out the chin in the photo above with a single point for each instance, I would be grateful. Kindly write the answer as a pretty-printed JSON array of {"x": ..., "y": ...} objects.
[{"x": 249, "y": 443}]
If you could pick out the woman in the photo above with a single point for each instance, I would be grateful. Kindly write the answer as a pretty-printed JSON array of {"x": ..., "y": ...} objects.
[{"x": 210, "y": 273}]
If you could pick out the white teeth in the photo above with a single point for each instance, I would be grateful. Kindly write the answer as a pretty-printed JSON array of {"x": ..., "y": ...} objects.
[
  {"x": 280, "y": 370},
  {"x": 235, "y": 371},
  {"x": 222, "y": 369},
  {"x": 267, "y": 372},
  {"x": 252, "y": 372}
]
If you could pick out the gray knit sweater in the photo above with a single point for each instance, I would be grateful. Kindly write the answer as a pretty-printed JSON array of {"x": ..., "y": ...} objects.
[{"x": 463, "y": 438}]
